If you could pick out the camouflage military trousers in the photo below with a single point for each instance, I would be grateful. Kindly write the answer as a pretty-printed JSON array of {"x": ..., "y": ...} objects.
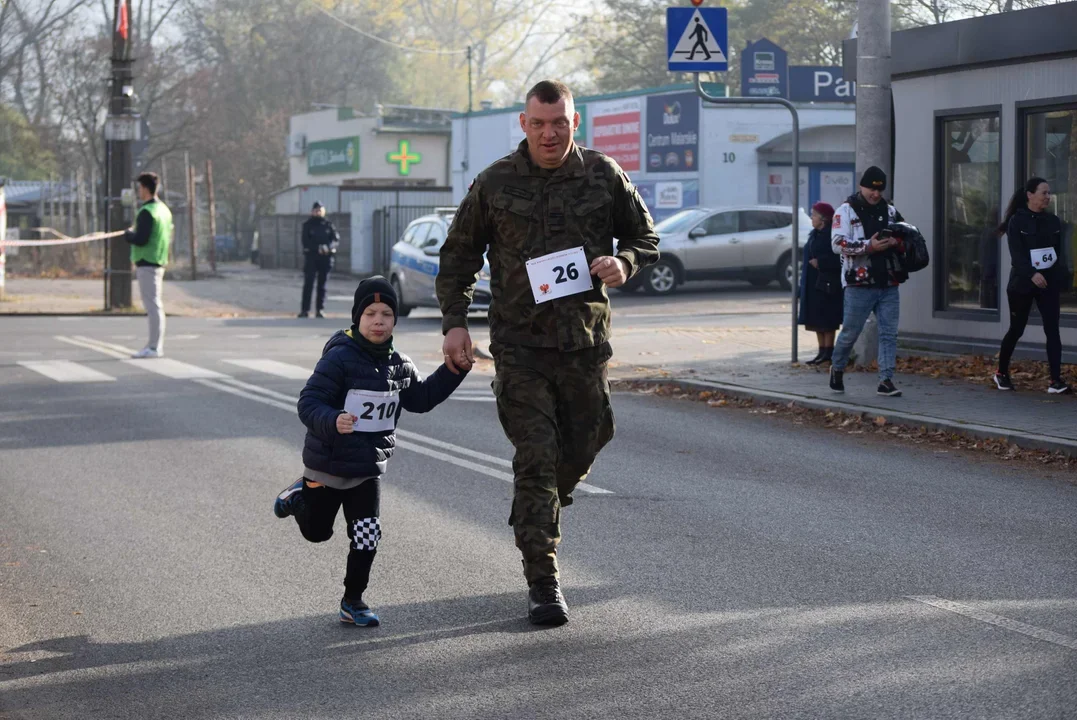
[{"x": 555, "y": 409}]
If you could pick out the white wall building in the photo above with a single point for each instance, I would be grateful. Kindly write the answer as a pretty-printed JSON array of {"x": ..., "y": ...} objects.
[
  {"x": 680, "y": 153},
  {"x": 398, "y": 146}
]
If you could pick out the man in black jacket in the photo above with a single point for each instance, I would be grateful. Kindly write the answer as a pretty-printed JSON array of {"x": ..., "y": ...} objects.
[{"x": 320, "y": 242}]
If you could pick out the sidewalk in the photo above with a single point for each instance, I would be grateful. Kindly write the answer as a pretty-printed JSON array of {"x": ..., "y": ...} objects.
[
  {"x": 1029, "y": 418},
  {"x": 239, "y": 290}
]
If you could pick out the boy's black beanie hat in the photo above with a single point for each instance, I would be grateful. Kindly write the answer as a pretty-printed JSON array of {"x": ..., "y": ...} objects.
[{"x": 373, "y": 290}]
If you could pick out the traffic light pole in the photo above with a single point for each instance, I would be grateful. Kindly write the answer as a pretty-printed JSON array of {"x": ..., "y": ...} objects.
[
  {"x": 795, "y": 256},
  {"x": 120, "y": 129}
]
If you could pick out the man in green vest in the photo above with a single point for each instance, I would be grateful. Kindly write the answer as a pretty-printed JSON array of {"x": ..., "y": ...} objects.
[{"x": 149, "y": 252}]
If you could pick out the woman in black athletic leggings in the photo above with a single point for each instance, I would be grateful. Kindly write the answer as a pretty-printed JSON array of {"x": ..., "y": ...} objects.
[{"x": 1037, "y": 273}]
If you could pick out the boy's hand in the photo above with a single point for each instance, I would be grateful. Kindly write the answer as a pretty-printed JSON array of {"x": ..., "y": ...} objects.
[
  {"x": 610, "y": 270},
  {"x": 346, "y": 423},
  {"x": 458, "y": 350}
]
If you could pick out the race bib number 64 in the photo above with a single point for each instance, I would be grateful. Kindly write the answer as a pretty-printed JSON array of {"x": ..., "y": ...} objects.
[
  {"x": 1043, "y": 258},
  {"x": 559, "y": 275},
  {"x": 374, "y": 411}
]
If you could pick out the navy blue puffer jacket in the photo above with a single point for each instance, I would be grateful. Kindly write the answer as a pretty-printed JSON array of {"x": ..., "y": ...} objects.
[{"x": 346, "y": 366}]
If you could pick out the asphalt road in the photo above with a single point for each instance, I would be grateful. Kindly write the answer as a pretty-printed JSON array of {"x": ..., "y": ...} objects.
[{"x": 725, "y": 565}]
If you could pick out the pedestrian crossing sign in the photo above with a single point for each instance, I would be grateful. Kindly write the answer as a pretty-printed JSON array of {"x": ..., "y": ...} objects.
[{"x": 697, "y": 39}]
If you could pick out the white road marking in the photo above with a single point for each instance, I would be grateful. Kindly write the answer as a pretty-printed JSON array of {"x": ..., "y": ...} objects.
[
  {"x": 96, "y": 348},
  {"x": 66, "y": 371},
  {"x": 174, "y": 369},
  {"x": 997, "y": 620},
  {"x": 340, "y": 298},
  {"x": 101, "y": 343},
  {"x": 287, "y": 402},
  {"x": 124, "y": 337},
  {"x": 273, "y": 367},
  {"x": 248, "y": 337},
  {"x": 183, "y": 337}
]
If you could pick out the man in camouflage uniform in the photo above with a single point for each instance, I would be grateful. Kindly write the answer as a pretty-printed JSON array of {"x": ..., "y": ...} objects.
[{"x": 553, "y": 395}]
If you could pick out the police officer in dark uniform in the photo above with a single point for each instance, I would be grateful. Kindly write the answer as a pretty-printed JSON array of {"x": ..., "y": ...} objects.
[
  {"x": 320, "y": 243},
  {"x": 547, "y": 216}
]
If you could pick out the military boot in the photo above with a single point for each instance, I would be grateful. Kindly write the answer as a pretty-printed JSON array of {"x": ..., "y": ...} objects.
[{"x": 545, "y": 603}]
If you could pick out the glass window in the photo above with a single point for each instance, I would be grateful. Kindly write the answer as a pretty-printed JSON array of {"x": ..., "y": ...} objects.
[
  {"x": 680, "y": 222},
  {"x": 721, "y": 224},
  {"x": 971, "y": 195},
  {"x": 419, "y": 231},
  {"x": 751, "y": 220},
  {"x": 1051, "y": 153},
  {"x": 436, "y": 237}
]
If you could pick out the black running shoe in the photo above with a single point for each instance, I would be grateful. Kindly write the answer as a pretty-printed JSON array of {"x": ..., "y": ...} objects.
[
  {"x": 303, "y": 314},
  {"x": 1002, "y": 381},
  {"x": 817, "y": 359},
  {"x": 886, "y": 387},
  {"x": 545, "y": 603},
  {"x": 1058, "y": 388},
  {"x": 837, "y": 383},
  {"x": 289, "y": 499},
  {"x": 319, "y": 314}
]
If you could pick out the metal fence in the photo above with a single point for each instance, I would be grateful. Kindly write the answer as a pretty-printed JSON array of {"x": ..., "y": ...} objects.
[
  {"x": 389, "y": 225},
  {"x": 280, "y": 241}
]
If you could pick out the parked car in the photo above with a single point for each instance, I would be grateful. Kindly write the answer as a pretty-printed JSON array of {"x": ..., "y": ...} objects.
[
  {"x": 415, "y": 261},
  {"x": 749, "y": 243}
]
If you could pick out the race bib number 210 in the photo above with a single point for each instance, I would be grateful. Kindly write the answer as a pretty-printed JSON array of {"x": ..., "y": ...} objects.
[{"x": 374, "y": 411}]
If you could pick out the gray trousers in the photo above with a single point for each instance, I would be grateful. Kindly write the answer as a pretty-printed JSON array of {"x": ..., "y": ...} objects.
[{"x": 151, "y": 281}]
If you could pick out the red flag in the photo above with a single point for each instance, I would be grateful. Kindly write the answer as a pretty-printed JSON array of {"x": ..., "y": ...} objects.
[{"x": 121, "y": 20}]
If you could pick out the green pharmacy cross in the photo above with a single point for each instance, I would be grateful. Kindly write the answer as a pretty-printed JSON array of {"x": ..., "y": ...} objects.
[{"x": 404, "y": 158}]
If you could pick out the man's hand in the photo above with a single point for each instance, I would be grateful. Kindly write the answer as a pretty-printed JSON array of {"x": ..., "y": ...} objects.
[
  {"x": 611, "y": 271},
  {"x": 1040, "y": 281},
  {"x": 346, "y": 423},
  {"x": 458, "y": 351},
  {"x": 814, "y": 263}
]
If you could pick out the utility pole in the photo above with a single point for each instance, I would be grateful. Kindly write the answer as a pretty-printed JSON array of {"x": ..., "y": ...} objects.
[
  {"x": 212, "y": 217},
  {"x": 873, "y": 87},
  {"x": 191, "y": 214},
  {"x": 873, "y": 129},
  {"x": 121, "y": 128}
]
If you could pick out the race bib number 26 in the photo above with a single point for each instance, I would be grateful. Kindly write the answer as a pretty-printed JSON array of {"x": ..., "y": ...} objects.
[
  {"x": 1044, "y": 258},
  {"x": 375, "y": 411},
  {"x": 559, "y": 275}
]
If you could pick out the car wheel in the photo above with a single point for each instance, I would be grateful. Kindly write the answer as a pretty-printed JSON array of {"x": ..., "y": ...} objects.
[
  {"x": 402, "y": 310},
  {"x": 785, "y": 272},
  {"x": 660, "y": 279},
  {"x": 761, "y": 282}
]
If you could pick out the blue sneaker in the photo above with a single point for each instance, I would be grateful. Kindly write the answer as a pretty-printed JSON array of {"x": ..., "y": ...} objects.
[
  {"x": 288, "y": 501},
  {"x": 356, "y": 612}
]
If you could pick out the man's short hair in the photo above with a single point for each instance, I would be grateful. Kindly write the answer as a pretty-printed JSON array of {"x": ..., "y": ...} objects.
[
  {"x": 548, "y": 92},
  {"x": 149, "y": 181}
]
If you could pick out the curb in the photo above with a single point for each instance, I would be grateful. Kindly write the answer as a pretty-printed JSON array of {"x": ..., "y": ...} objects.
[{"x": 1023, "y": 439}]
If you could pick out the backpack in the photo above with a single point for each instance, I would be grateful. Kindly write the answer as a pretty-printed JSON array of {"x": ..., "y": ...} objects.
[{"x": 915, "y": 257}]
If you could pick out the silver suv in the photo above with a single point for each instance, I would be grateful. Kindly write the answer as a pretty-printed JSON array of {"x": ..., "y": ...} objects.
[{"x": 749, "y": 242}]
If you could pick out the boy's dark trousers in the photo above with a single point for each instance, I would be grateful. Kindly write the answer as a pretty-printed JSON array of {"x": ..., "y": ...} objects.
[{"x": 361, "y": 507}]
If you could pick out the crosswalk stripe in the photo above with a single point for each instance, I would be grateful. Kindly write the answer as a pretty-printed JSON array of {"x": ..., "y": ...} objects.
[
  {"x": 96, "y": 348},
  {"x": 66, "y": 371},
  {"x": 174, "y": 369},
  {"x": 274, "y": 367}
]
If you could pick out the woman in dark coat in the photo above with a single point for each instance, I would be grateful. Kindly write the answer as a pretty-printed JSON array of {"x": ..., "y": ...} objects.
[{"x": 821, "y": 301}]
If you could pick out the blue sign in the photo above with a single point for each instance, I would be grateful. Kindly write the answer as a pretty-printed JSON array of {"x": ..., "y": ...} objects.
[
  {"x": 672, "y": 133},
  {"x": 812, "y": 83},
  {"x": 764, "y": 70},
  {"x": 667, "y": 198},
  {"x": 697, "y": 39}
]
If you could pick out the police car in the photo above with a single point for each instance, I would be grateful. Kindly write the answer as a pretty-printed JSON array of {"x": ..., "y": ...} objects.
[{"x": 415, "y": 261}]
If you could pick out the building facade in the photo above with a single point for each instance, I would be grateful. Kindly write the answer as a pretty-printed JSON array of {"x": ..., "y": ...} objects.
[
  {"x": 980, "y": 106},
  {"x": 680, "y": 152},
  {"x": 398, "y": 146}
]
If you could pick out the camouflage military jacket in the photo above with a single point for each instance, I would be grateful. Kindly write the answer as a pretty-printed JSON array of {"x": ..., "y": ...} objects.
[{"x": 515, "y": 212}]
